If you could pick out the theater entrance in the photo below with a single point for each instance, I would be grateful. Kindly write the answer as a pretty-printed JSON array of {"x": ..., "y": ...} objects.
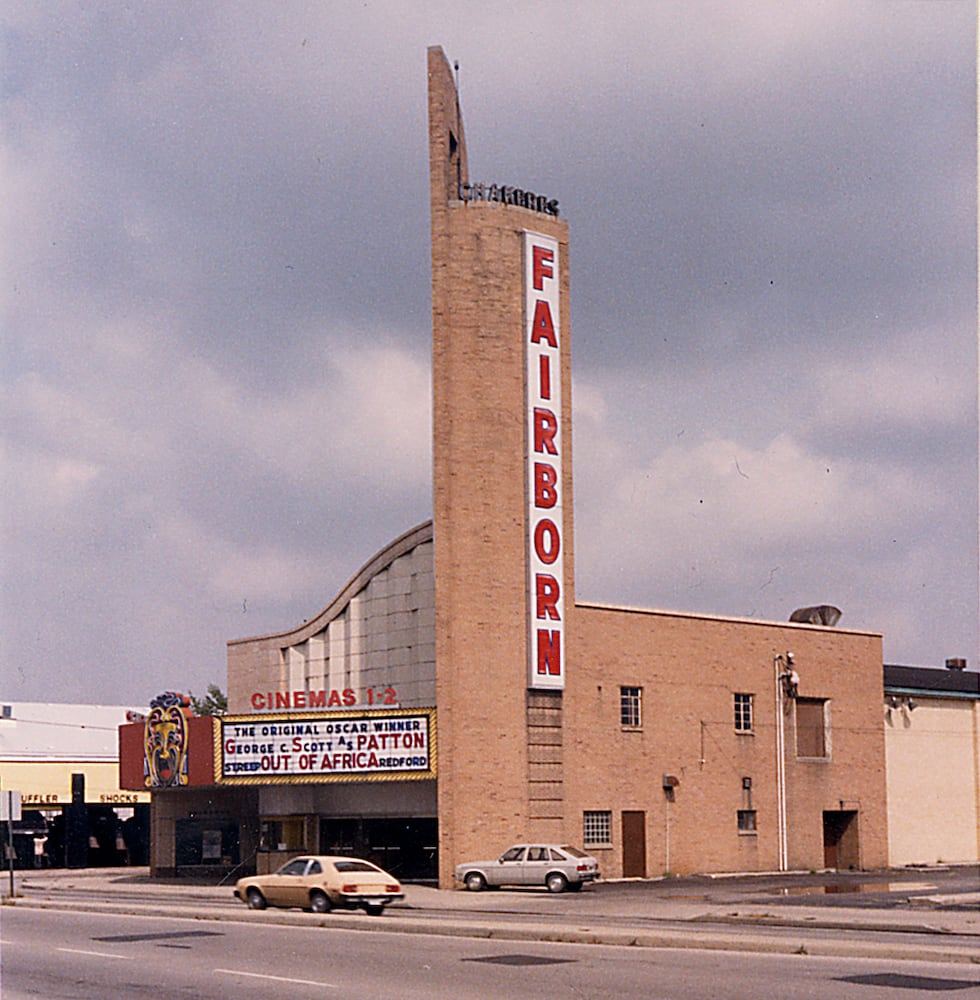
[{"x": 407, "y": 847}]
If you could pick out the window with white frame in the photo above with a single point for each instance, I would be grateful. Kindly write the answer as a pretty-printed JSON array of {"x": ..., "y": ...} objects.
[
  {"x": 597, "y": 827},
  {"x": 631, "y": 707},
  {"x": 743, "y": 713}
]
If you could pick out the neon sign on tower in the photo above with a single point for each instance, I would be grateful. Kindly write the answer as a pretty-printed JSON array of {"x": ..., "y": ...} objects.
[{"x": 546, "y": 605}]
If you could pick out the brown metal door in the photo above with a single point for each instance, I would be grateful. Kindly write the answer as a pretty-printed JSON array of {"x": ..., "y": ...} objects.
[{"x": 635, "y": 844}]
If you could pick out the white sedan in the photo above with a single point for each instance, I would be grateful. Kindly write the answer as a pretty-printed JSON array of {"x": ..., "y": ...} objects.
[{"x": 559, "y": 867}]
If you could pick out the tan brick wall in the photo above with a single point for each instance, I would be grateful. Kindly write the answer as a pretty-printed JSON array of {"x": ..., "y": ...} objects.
[{"x": 689, "y": 668}]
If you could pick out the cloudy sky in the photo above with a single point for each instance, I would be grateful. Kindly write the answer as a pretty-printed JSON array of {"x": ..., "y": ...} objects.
[{"x": 216, "y": 327}]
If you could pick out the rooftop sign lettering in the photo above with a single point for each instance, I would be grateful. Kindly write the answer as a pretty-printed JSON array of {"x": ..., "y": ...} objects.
[{"x": 507, "y": 195}]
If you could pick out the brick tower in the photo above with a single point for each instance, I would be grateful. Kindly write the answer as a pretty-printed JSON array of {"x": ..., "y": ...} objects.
[{"x": 502, "y": 479}]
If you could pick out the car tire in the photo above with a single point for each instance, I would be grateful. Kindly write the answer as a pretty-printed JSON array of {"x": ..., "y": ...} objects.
[
  {"x": 320, "y": 902},
  {"x": 255, "y": 900},
  {"x": 374, "y": 910},
  {"x": 556, "y": 882},
  {"x": 575, "y": 886},
  {"x": 475, "y": 882}
]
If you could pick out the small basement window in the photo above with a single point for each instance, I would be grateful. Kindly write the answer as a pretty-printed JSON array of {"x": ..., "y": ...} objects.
[{"x": 597, "y": 827}]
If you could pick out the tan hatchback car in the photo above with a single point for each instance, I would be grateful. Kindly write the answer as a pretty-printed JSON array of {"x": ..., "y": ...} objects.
[{"x": 321, "y": 882}]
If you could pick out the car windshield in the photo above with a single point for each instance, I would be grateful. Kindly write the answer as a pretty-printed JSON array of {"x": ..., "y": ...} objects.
[
  {"x": 573, "y": 851},
  {"x": 354, "y": 866}
]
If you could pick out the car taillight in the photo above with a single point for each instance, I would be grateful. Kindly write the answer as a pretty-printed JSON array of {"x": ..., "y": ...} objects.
[
  {"x": 348, "y": 888},
  {"x": 392, "y": 888},
  {"x": 582, "y": 868}
]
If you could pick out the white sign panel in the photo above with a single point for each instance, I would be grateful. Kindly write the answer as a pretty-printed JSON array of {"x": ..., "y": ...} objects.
[
  {"x": 336, "y": 746},
  {"x": 10, "y": 807},
  {"x": 542, "y": 328}
]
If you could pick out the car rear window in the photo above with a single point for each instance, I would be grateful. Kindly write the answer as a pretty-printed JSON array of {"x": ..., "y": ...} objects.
[{"x": 354, "y": 866}]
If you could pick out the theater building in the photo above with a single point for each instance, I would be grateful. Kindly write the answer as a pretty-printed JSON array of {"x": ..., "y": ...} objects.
[{"x": 456, "y": 697}]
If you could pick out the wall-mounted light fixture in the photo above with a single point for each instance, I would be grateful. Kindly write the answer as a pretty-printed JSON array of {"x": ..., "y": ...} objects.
[
  {"x": 903, "y": 702},
  {"x": 788, "y": 677}
]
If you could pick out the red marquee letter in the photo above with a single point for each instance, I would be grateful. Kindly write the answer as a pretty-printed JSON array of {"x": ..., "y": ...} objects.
[
  {"x": 547, "y": 541},
  {"x": 544, "y": 376},
  {"x": 545, "y": 483},
  {"x": 549, "y": 652},
  {"x": 543, "y": 327},
  {"x": 547, "y": 593},
  {"x": 542, "y": 258},
  {"x": 545, "y": 429}
]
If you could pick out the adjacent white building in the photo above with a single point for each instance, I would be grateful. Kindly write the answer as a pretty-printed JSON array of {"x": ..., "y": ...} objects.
[{"x": 932, "y": 754}]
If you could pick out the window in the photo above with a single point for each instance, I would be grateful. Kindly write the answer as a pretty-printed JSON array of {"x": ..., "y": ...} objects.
[
  {"x": 811, "y": 727},
  {"x": 282, "y": 834},
  {"x": 746, "y": 821},
  {"x": 597, "y": 827},
  {"x": 743, "y": 713},
  {"x": 630, "y": 705}
]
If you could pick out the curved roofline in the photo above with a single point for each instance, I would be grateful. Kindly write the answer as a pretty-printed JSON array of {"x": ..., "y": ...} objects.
[{"x": 378, "y": 562}]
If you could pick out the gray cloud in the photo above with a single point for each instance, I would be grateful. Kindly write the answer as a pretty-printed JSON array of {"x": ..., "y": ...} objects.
[{"x": 216, "y": 299}]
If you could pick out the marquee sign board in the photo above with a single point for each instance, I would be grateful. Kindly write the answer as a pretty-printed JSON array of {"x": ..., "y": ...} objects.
[
  {"x": 340, "y": 746},
  {"x": 542, "y": 355}
]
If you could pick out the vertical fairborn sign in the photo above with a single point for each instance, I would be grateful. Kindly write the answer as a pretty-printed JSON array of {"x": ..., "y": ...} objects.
[{"x": 546, "y": 607}]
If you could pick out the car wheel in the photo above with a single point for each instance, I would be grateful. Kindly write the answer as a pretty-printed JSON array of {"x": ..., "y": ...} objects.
[
  {"x": 320, "y": 902},
  {"x": 556, "y": 882},
  {"x": 475, "y": 882},
  {"x": 374, "y": 909},
  {"x": 255, "y": 900}
]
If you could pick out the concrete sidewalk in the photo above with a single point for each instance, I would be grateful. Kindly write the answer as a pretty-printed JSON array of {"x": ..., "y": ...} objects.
[{"x": 723, "y": 915}]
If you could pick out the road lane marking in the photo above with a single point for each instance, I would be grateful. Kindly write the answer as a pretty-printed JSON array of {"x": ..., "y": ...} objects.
[
  {"x": 95, "y": 954},
  {"x": 276, "y": 979}
]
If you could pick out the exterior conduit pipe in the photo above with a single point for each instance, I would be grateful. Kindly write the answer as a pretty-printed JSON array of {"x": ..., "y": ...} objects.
[{"x": 779, "y": 664}]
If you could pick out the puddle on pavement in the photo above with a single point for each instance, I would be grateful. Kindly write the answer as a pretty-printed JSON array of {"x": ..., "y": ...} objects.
[{"x": 840, "y": 888}]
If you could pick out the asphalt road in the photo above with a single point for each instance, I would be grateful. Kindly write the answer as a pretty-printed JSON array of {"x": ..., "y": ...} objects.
[{"x": 61, "y": 954}]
